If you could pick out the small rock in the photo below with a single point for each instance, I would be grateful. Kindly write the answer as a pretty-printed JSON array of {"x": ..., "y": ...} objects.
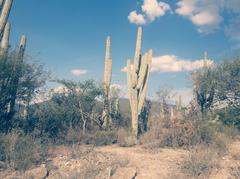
[{"x": 125, "y": 173}]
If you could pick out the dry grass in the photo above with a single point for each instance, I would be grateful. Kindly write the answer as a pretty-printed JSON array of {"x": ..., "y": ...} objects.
[
  {"x": 236, "y": 172},
  {"x": 125, "y": 138},
  {"x": 200, "y": 162}
]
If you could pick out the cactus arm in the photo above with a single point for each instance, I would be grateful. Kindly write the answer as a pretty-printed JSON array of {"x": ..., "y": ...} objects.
[
  {"x": 5, "y": 39},
  {"x": 23, "y": 44},
  {"x": 144, "y": 88},
  {"x": 142, "y": 71},
  {"x": 129, "y": 81},
  {"x": 138, "y": 49},
  {"x": 4, "y": 15}
]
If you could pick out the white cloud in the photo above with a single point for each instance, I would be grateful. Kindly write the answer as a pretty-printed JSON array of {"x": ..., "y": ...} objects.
[
  {"x": 154, "y": 9},
  {"x": 150, "y": 10},
  {"x": 172, "y": 63},
  {"x": 207, "y": 15},
  {"x": 136, "y": 18},
  {"x": 78, "y": 72}
]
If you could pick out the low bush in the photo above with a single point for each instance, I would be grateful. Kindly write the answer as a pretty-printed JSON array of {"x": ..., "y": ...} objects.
[
  {"x": 200, "y": 162},
  {"x": 100, "y": 138},
  {"x": 236, "y": 172},
  {"x": 125, "y": 138},
  {"x": 21, "y": 152}
]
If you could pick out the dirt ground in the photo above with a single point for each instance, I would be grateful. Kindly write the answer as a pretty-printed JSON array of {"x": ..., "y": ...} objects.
[{"x": 114, "y": 162}]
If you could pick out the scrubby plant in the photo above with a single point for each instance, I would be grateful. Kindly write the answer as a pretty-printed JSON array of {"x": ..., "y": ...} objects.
[{"x": 199, "y": 162}]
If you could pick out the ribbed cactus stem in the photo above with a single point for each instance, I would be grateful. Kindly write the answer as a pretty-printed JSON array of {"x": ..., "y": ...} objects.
[
  {"x": 171, "y": 115},
  {"x": 107, "y": 82},
  {"x": 137, "y": 77},
  {"x": 179, "y": 103},
  {"x": 23, "y": 44},
  {"x": 4, "y": 15},
  {"x": 138, "y": 49},
  {"x": 5, "y": 40},
  {"x": 205, "y": 61}
]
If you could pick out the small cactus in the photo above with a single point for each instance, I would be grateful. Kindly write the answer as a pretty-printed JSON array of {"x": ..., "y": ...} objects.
[
  {"x": 107, "y": 83},
  {"x": 137, "y": 77}
]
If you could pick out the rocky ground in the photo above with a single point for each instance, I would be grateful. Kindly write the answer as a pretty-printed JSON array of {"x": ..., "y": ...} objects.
[{"x": 114, "y": 162}]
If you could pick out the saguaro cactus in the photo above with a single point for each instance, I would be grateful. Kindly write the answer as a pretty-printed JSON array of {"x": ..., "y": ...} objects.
[
  {"x": 15, "y": 80},
  {"x": 5, "y": 10},
  {"x": 179, "y": 104},
  {"x": 161, "y": 114},
  {"x": 107, "y": 83},
  {"x": 5, "y": 39},
  {"x": 137, "y": 76}
]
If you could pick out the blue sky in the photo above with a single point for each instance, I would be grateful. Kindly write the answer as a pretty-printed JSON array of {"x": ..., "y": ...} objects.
[{"x": 68, "y": 34}]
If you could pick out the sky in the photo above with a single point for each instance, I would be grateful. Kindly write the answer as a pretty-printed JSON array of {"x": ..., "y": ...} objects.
[{"x": 69, "y": 36}]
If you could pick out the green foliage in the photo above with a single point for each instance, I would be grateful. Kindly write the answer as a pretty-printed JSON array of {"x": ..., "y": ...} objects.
[
  {"x": 20, "y": 81},
  {"x": 230, "y": 116},
  {"x": 204, "y": 88},
  {"x": 228, "y": 83}
]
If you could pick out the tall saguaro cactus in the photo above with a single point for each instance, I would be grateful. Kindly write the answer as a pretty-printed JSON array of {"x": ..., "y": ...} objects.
[
  {"x": 16, "y": 77},
  {"x": 5, "y": 10},
  {"x": 107, "y": 83},
  {"x": 5, "y": 40},
  {"x": 137, "y": 77}
]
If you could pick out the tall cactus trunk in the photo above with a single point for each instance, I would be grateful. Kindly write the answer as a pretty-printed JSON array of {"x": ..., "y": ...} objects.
[
  {"x": 107, "y": 82},
  {"x": 171, "y": 115},
  {"x": 161, "y": 114},
  {"x": 15, "y": 80},
  {"x": 137, "y": 77},
  {"x": 5, "y": 40},
  {"x": 5, "y": 10}
]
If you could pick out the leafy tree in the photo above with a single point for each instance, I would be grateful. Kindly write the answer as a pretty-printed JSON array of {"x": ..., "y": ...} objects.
[
  {"x": 204, "y": 88},
  {"x": 20, "y": 81},
  {"x": 80, "y": 99},
  {"x": 228, "y": 83}
]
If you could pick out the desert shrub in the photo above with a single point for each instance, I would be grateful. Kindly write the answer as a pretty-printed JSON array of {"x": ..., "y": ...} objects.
[
  {"x": 21, "y": 152},
  {"x": 100, "y": 138},
  {"x": 180, "y": 133},
  {"x": 236, "y": 172},
  {"x": 236, "y": 156},
  {"x": 125, "y": 138},
  {"x": 199, "y": 162}
]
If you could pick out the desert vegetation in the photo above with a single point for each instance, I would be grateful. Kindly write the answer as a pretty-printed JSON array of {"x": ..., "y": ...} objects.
[{"x": 86, "y": 116}]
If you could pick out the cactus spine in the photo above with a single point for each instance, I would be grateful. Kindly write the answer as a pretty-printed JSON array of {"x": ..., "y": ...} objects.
[
  {"x": 107, "y": 83},
  {"x": 6, "y": 7},
  {"x": 137, "y": 77}
]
